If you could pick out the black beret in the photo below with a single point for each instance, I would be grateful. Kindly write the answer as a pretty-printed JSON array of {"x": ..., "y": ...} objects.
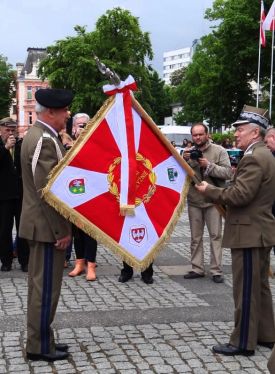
[
  {"x": 54, "y": 97},
  {"x": 8, "y": 122}
]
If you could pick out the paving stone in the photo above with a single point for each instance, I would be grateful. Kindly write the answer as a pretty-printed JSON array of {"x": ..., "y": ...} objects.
[{"x": 132, "y": 328}]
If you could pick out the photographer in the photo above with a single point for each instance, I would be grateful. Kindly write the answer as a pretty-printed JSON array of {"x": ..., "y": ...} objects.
[
  {"x": 211, "y": 163},
  {"x": 11, "y": 192}
]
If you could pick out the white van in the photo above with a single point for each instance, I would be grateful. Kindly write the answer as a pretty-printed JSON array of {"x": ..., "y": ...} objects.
[{"x": 177, "y": 134}]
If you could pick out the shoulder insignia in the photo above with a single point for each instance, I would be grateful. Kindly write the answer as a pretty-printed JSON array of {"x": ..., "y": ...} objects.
[{"x": 46, "y": 135}]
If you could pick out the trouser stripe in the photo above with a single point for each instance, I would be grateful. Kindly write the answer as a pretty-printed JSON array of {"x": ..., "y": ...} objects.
[
  {"x": 46, "y": 299},
  {"x": 247, "y": 288}
]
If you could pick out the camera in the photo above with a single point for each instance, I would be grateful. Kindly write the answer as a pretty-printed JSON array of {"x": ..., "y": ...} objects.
[
  {"x": 18, "y": 140},
  {"x": 195, "y": 154}
]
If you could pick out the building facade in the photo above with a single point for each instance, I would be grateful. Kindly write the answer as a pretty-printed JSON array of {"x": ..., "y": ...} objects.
[
  {"x": 175, "y": 60},
  {"x": 28, "y": 83}
]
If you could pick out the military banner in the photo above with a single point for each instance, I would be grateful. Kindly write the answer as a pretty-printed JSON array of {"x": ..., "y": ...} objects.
[{"x": 122, "y": 182}]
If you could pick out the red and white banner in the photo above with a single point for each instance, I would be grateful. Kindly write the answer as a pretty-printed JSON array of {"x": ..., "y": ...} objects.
[
  {"x": 122, "y": 160},
  {"x": 269, "y": 22},
  {"x": 262, "y": 19}
]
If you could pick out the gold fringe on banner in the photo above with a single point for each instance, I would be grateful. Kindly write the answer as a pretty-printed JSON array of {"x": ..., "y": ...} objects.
[{"x": 92, "y": 230}]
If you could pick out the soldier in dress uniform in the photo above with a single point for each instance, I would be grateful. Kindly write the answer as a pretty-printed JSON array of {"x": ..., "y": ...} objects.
[
  {"x": 250, "y": 233},
  {"x": 47, "y": 232}
]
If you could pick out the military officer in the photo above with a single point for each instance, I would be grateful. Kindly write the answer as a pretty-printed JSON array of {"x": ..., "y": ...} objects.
[
  {"x": 250, "y": 233},
  {"x": 48, "y": 233}
]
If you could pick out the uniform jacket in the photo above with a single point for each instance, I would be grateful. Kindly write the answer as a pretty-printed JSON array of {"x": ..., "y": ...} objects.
[
  {"x": 10, "y": 172},
  {"x": 39, "y": 221},
  {"x": 218, "y": 172},
  {"x": 249, "y": 221}
]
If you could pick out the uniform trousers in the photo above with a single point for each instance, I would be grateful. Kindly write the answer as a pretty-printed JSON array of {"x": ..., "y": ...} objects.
[
  {"x": 198, "y": 217},
  {"x": 22, "y": 246},
  {"x": 44, "y": 285},
  {"x": 254, "y": 320}
]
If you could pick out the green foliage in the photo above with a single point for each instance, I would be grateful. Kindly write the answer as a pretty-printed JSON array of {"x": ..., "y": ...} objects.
[
  {"x": 119, "y": 43},
  {"x": 6, "y": 79},
  {"x": 177, "y": 76},
  {"x": 160, "y": 98},
  {"x": 219, "y": 138},
  {"x": 217, "y": 82}
]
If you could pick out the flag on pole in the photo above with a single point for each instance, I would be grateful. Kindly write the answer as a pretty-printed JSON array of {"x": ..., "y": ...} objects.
[
  {"x": 262, "y": 19},
  {"x": 269, "y": 23},
  {"x": 122, "y": 182}
]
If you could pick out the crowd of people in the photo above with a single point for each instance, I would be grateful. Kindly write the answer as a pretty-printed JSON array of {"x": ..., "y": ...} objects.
[{"x": 44, "y": 238}]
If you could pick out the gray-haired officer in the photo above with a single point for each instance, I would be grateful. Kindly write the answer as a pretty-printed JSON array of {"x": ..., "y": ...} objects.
[
  {"x": 250, "y": 233},
  {"x": 47, "y": 231}
]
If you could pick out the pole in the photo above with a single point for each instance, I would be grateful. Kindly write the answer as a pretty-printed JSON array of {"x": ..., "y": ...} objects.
[
  {"x": 259, "y": 60},
  {"x": 259, "y": 68}
]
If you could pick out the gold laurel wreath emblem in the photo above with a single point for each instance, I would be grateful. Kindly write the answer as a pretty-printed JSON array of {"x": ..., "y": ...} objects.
[{"x": 113, "y": 188}]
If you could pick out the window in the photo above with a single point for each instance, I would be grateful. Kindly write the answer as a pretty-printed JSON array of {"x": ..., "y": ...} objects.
[
  {"x": 30, "y": 118},
  {"x": 29, "y": 93}
]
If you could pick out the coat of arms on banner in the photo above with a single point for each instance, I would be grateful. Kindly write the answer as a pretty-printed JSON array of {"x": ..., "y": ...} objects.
[{"x": 122, "y": 182}]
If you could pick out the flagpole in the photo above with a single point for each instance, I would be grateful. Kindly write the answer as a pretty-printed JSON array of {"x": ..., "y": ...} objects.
[
  {"x": 259, "y": 56},
  {"x": 271, "y": 72},
  {"x": 259, "y": 67}
]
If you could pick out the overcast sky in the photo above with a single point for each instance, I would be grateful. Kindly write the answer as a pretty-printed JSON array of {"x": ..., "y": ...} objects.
[{"x": 172, "y": 24}]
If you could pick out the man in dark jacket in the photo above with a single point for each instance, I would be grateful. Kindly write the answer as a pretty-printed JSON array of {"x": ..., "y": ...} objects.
[{"x": 11, "y": 193}]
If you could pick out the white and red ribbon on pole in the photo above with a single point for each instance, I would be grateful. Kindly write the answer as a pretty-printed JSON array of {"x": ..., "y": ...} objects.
[{"x": 125, "y": 124}]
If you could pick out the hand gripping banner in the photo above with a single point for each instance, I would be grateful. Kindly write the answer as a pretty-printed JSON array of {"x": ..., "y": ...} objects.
[{"x": 122, "y": 182}]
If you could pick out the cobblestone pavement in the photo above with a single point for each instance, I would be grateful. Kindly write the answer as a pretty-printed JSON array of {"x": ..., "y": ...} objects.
[{"x": 167, "y": 327}]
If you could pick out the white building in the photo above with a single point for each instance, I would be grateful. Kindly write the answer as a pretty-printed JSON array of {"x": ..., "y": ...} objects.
[{"x": 175, "y": 60}]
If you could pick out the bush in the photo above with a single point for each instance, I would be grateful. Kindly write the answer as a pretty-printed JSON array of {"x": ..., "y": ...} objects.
[{"x": 219, "y": 138}]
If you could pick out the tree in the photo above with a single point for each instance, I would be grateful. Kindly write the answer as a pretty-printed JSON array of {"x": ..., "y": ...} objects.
[
  {"x": 177, "y": 76},
  {"x": 161, "y": 98},
  {"x": 218, "y": 81},
  {"x": 119, "y": 43},
  {"x": 6, "y": 79}
]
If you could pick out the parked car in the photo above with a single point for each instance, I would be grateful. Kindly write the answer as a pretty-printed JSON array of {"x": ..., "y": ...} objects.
[
  {"x": 235, "y": 155},
  {"x": 177, "y": 134}
]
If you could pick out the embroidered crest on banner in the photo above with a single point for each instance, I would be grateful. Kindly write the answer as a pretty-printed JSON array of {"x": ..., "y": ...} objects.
[
  {"x": 77, "y": 186},
  {"x": 145, "y": 179},
  {"x": 172, "y": 174},
  {"x": 138, "y": 234}
]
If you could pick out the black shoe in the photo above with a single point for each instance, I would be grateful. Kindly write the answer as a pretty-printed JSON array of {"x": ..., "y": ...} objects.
[
  {"x": 217, "y": 278},
  {"x": 58, "y": 355},
  {"x": 230, "y": 350},
  {"x": 266, "y": 344},
  {"x": 147, "y": 279},
  {"x": 61, "y": 347},
  {"x": 24, "y": 268},
  {"x": 6, "y": 268},
  {"x": 193, "y": 275},
  {"x": 123, "y": 278}
]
